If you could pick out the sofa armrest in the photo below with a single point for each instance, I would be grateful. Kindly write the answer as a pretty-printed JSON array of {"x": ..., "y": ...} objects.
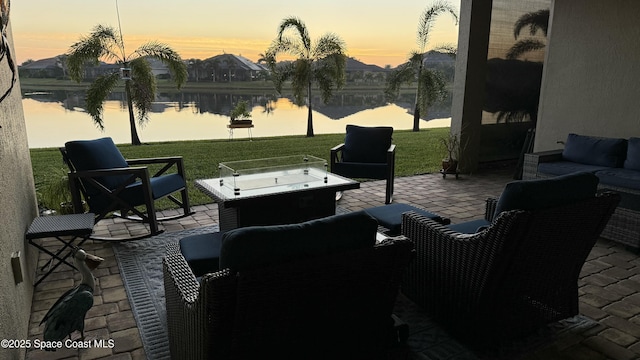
[
  {"x": 334, "y": 154},
  {"x": 532, "y": 160}
]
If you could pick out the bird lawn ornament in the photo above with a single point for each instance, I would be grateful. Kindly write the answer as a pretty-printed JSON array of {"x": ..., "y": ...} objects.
[{"x": 67, "y": 314}]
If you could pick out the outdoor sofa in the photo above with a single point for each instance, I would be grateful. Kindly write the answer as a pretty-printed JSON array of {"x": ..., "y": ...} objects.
[
  {"x": 616, "y": 163},
  {"x": 321, "y": 289}
]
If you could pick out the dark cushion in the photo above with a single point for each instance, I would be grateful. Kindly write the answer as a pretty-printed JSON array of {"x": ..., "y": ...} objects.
[
  {"x": 367, "y": 144},
  {"x": 390, "y": 216},
  {"x": 259, "y": 246},
  {"x": 633, "y": 154},
  {"x": 593, "y": 150},
  {"x": 567, "y": 167},
  {"x": 94, "y": 155},
  {"x": 546, "y": 193},
  {"x": 619, "y": 177},
  {"x": 361, "y": 170},
  {"x": 202, "y": 252},
  {"x": 470, "y": 227}
]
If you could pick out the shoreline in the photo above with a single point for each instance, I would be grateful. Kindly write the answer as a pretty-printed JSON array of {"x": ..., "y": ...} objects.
[{"x": 41, "y": 84}]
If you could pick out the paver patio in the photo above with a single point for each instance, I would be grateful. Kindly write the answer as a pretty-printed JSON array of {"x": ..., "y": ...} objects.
[{"x": 609, "y": 284}]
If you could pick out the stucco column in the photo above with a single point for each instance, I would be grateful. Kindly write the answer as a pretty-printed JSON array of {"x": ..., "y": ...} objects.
[{"x": 469, "y": 82}]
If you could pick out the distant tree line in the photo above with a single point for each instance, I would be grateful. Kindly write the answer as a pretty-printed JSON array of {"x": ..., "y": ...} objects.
[{"x": 226, "y": 68}]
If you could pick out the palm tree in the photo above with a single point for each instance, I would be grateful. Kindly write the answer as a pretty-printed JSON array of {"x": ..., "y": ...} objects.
[
  {"x": 140, "y": 87},
  {"x": 431, "y": 84},
  {"x": 322, "y": 62},
  {"x": 513, "y": 85}
]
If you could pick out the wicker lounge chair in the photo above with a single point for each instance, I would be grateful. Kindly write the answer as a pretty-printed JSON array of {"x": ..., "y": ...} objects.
[
  {"x": 506, "y": 281},
  {"x": 333, "y": 306}
]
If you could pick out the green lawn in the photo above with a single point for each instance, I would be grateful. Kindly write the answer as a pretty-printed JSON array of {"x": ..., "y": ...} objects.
[{"x": 416, "y": 153}]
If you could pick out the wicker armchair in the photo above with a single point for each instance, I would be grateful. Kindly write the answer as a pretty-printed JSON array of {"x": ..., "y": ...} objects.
[
  {"x": 490, "y": 288},
  {"x": 337, "y": 306}
]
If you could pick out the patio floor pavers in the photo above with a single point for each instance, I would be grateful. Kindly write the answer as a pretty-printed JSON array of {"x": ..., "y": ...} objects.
[{"x": 609, "y": 285}]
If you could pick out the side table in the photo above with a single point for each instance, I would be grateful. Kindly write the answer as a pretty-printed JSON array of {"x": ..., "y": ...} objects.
[{"x": 76, "y": 226}]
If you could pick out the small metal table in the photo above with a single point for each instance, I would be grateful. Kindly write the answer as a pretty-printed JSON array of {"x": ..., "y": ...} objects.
[
  {"x": 231, "y": 127},
  {"x": 76, "y": 226}
]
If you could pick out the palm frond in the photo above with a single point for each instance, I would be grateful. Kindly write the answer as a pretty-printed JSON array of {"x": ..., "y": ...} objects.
[
  {"x": 143, "y": 87},
  {"x": 524, "y": 46},
  {"x": 416, "y": 59},
  {"x": 537, "y": 20},
  {"x": 432, "y": 89},
  {"x": 281, "y": 74},
  {"x": 402, "y": 74},
  {"x": 300, "y": 27},
  {"x": 167, "y": 56},
  {"x": 300, "y": 79},
  {"x": 449, "y": 49},
  {"x": 289, "y": 46},
  {"x": 96, "y": 95},
  {"x": 328, "y": 44},
  {"x": 330, "y": 72},
  {"x": 513, "y": 116},
  {"x": 428, "y": 18},
  {"x": 100, "y": 43}
]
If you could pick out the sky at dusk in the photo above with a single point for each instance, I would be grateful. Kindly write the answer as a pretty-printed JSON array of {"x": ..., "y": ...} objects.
[{"x": 375, "y": 32}]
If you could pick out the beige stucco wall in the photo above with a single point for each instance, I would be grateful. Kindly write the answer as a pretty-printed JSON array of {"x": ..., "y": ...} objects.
[
  {"x": 591, "y": 76},
  {"x": 17, "y": 209}
]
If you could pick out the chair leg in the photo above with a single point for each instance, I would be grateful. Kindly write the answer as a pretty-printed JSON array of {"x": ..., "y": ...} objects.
[
  {"x": 186, "y": 207},
  {"x": 153, "y": 218},
  {"x": 389, "y": 192}
]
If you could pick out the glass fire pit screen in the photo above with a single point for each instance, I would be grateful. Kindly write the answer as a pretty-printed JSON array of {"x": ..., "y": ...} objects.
[{"x": 291, "y": 171}]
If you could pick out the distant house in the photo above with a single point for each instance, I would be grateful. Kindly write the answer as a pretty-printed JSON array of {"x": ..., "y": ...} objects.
[
  {"x": 55, "y": 67},
  {"x": 158, "y": 68},
  {"x": 91, "y": 72},
  {"x": 44, "y": 68},
  {"x": 359, "y": 72},
  {"x": 229, "y": 67}
]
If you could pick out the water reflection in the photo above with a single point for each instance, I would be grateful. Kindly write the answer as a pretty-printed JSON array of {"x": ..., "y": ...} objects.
[{"x": 55, "y": 117}]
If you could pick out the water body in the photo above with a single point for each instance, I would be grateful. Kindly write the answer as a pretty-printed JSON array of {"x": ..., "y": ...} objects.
[{"x": 52, "y": 118}]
